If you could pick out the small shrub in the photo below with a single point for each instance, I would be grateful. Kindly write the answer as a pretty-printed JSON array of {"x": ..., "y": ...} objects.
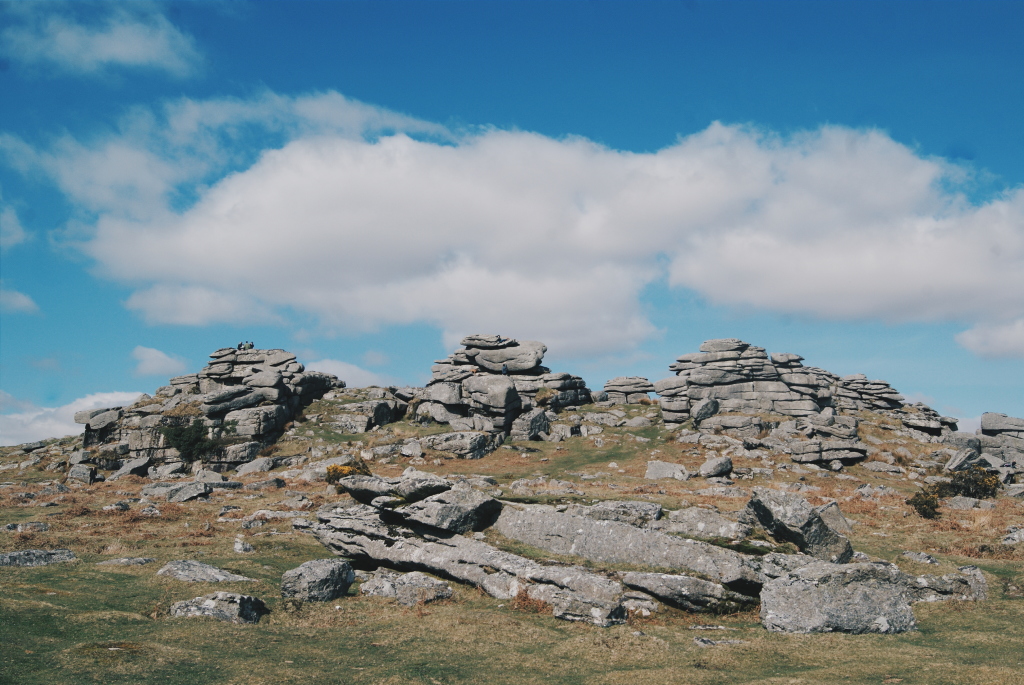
[
  {"x": 336, "y": 472},
  {"x": 975, "y": 482},
  {"x": 190, "y": 441},
  {"x": 926, "y": 503}
]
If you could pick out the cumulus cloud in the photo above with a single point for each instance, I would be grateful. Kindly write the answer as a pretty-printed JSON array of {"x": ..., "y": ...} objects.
[
  {"x": 14, "y": 302},
  {"x": 995, "y": 341},
  {"x": 152, "y": 362},
  {"x": 366, "y": 218},
  {"x": 354, "y": 376},
  {"x": 129, "y": 35},
  {"x": 28, "y": 423}
]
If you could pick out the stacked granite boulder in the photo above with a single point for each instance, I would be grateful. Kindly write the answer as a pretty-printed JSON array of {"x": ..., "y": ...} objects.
[
  {"x": 744, "y": 379},
  {"x": 489, "y": 383},
  {"x": 243, "y": 397},
  {"x": 628, "y": 389}
]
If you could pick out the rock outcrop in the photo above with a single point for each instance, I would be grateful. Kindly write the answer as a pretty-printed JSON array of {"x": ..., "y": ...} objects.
[
  {"x": 744, "y": 379},
  {"x": 243, "y": 399},
  {"x": 491, "y": 381}
]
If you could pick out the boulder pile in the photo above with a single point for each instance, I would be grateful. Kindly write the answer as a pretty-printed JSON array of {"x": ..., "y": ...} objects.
[
  {"x": 491, "y": 381},
  {"x": 743, "y": 379},
  {"x": 242, "y": 398}
]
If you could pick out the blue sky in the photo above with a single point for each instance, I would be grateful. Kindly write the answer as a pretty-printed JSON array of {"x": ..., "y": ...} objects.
[{"x": 365, "y": 182}]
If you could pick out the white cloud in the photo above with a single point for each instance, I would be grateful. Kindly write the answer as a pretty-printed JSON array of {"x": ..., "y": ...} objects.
[
  {"x": 995, "y": 341},
  {"x": 29, "y": 423},
  {"x": 130, "y": 35},
  {"x": 365, "y": 218},
  {"x": 11, "y": 231},
  {"x": 14, "y": 302},
  {"x": 152, "y": 362},
  {"x": 354, "y": 376}
]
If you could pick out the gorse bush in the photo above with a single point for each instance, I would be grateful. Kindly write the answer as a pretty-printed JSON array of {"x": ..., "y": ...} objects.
[
  {"x": 925, "y": 503},
  {"x": 336, "y": 472},
  {"x": 974, "y": 482},
  {"x": 190, "y": 441}
]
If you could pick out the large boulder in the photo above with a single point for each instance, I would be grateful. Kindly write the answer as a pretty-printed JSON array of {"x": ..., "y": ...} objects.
[
  {"x": 843, "y": 598},
  {"x": 656, "y": 470},
  {"x": 698, "y": 522},
  {"x": 319, "y": 580},
  {"x": 223, "y": 606},
  {"x": 524, "y": 356},
  {"x": 459, "y": 510},
  {"x": 789, "y": 518}
]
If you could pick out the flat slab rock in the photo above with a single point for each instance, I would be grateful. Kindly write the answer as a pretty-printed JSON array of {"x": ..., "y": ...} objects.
[
  {"x": 359, "y": 533},
  {"x": 197, "y": 572},
  {"x": 842, "y": 598},
  {"x": 223, "y": 606},
  {"x": 614, "y": 542},
  {"x": 36, "y": 557}
]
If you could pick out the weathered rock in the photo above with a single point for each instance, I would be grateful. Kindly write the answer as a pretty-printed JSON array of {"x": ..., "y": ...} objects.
[
  {"x": 84, "y": 473},
  {"x": 698, "y": 522},
  {"x": 575, "y": 594},
  {"x": 409, "y": 589},
  {"x": 657, "y": 470},
  {"x": 790, "y": 518},
  {"x": 1014, "y": 535},
  {"x": 27, "y": 527},
  {"x": 127, "y": 561},
  {"x": 712, "y": 468},
  {"x": 844, "y": 598},
  {"x": 530, "y": 425},
  {"x": 36, "y": 557},
  {"x": 134, "y": 467},
  {"x": 223, "y": 606},
  {"x": 197, "y": 572},
  {"x": 319, "y": 580},
  {"x": 968, "y": 585},
  {"x": 633, "y": 513},
  {"x": 183, "y": 492},
  {"x": 920, "y": 557},
  {"x": 689, "y": 594},
  {"x": 462, "y": 444},
  {"x": 458, "y": 510},
  {"x": 614, "y": 542},
  {"x": 524, "y": 356},
  {"x": 834, "y": 519},
  {"x": 703, "y": 409},
  {"x": 255, "y": 466}
]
